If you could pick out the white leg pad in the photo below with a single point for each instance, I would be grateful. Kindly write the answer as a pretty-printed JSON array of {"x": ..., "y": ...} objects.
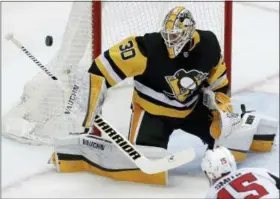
[{"x": 251, "y": 124}]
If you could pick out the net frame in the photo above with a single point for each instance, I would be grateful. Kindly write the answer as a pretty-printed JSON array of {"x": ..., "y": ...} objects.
[
  {"x": 97, "y": 32},
  {"x": 69, "y": 78}
]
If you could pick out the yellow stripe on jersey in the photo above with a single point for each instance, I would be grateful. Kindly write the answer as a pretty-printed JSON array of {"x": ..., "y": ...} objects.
[
  {"x": 160, "y": 110},
  {"x": 217, "y": 72},
  {"x": 105, "y": 72},
  {"x": 223, "y": 83},
  {"x": 196, "y": 40},
  {"x": 128, "y": 58},
  {"x": 95, "y": 90}
]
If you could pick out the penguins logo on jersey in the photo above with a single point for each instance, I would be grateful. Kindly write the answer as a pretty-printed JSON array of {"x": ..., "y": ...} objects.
[{"x": 183, "y": 83}]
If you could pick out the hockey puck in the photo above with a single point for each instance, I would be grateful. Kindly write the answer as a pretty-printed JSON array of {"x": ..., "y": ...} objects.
[
  {"x": 243, "y": 109},
  {"x": 49, "y": 40}
]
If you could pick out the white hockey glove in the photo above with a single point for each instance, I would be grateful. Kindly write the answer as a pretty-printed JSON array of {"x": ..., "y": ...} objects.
[
  {"x": 238, "y": 131},
  {"x": 224, "y": 118}
]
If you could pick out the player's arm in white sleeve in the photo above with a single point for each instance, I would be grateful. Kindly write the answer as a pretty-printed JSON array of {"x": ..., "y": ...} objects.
[
  {"x": 269, "y": 180},
  {"x": 276, "y": 179},
  {"x": 273, "y": 177},
  {"x": 211, "y": 194}
]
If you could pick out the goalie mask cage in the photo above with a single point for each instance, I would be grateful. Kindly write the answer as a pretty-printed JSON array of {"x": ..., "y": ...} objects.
[{"x": 46, "y": 111}]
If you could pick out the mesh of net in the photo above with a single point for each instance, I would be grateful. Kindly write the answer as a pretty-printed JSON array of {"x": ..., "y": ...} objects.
[{"x": 40, "y": 115}]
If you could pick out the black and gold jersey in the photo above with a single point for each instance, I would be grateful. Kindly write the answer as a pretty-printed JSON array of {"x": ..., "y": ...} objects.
[{"x": 165, "y": 86}]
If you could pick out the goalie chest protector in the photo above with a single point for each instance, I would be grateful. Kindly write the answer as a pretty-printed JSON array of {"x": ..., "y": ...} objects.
[{"x": 179, "y": 78}]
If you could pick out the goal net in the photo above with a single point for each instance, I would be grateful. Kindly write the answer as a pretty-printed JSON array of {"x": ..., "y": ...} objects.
[{"x": 45, "y": 110}]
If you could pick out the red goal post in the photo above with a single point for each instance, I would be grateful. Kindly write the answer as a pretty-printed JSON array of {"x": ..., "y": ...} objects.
[
  {"x": 228, "y": 38},
  {"x": 42, "y": 112},
  {"x": 97, "y": 31}
]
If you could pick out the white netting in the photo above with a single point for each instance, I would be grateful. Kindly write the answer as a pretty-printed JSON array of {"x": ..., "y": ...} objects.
[{"x": 40, "y": 114}]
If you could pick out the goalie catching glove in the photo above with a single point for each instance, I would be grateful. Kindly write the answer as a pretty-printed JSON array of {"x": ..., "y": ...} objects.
[{"x": 238, "y": 132}]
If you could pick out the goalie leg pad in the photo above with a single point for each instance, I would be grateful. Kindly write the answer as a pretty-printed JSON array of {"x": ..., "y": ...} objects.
[
  {"x": 264, "y": 137},
  {"x": 262, "y": 143},
  {"x": 239, "y": 155},
  {"x": 255, "y": 132},
  {"x": 99, "y": 156}
]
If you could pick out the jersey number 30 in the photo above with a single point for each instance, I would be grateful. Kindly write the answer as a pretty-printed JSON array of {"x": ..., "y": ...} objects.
[
  {"x": 127, "y": 51},
  {"x": 238, "y": 186}
]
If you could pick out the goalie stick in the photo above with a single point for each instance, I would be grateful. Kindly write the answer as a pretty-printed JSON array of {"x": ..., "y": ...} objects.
[
  {"x": 67, "y": 111},
  {"x": 10, "y": 36},
  {"x": 146, "y": 165}
]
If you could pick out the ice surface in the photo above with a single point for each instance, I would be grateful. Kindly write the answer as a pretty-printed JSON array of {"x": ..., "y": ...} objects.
[
  {"x": 25, "y": 172},
  {"x": 29, "y": 175}
]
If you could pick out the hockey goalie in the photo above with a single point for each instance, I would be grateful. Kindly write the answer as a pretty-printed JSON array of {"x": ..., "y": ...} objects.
[{"x": 180, "y": 82}]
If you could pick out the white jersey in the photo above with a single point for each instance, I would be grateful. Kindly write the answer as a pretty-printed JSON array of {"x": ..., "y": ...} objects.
[{"x": 249, "y": 183}]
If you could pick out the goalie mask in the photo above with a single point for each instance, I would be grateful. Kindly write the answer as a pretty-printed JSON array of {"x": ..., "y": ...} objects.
[{"x": 177, "y": 30}]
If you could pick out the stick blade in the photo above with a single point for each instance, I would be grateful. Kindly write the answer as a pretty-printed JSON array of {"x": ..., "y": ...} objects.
[{"x": 164, "y": 164}]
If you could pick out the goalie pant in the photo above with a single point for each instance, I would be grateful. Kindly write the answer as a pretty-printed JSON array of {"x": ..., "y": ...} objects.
[{"x": 152, "y": 130}]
